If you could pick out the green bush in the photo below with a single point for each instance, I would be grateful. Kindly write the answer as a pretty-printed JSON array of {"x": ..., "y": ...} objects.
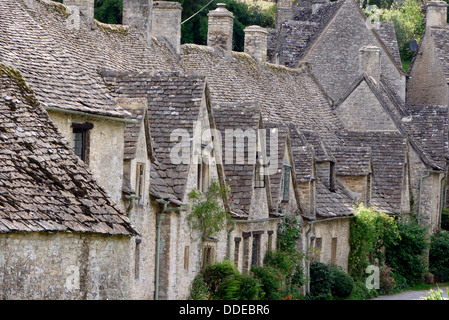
[
  {"x": 341, "y": 284},
  {"x": 405, "y": 255},
  {"x": 271, "y": 281},
  {"x": 439, "y": 255},
  {"x": 219, "y": 277},
  {"x": 321, "y": 278},
  {"x": 199, "y": 290},
  {"x": 445, "y": 219}
]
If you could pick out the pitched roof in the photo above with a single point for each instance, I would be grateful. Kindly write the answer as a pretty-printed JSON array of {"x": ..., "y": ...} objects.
[
  {"x": 44, "y": 186},
  {"x": 352, "y": 161},
  {"x": 61, "y": 63},
  {"x": 174, "y": 101},
  {"x": 239, "y": 174},
  {"x": 133, "y": 131},
  {"x": 389, "y": 152}
]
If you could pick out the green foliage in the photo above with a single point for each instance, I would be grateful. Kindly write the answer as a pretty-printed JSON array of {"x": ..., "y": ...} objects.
[
  {"x": 370, "y": 231},
  {"x": 439, "y": 255},
  {"x": 109, "y": 11},
  {"x": 207, "y": 214},
  {"x": 408, "y": 19},
  {"x": 271, "y": 281},
  {"x": 445, "y": 219},
  {"x": 405, "y": 255},
  {"x": 289, "y": 231},
  {"x": 341, "y": 284},
  {"x": 320, "y": 281},
  {"x": 223, "y": 281},
  {"x": 435, "y": 294}
]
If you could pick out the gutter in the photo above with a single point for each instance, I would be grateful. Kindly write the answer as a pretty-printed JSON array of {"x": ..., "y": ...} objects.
[{"x": 91, "y": 115}]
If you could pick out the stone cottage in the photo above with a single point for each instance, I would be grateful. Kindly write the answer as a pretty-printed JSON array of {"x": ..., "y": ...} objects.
[{"x": 62, "y": 235}]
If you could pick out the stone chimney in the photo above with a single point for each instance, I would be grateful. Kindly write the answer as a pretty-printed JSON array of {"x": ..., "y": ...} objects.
[
  {"x": 86, "y": 8},
  {"x": 317, "y": 4},
  {"x": 137, "y": 15},
  {"x": 167, "y": 22},
  {"x": 284, "y": 12},
  {"x": 256, "y": 43},
  {"x": 369, "y": 59},
  {"x": 436, "y": 13},
  {"x": 220, "y": 28}
]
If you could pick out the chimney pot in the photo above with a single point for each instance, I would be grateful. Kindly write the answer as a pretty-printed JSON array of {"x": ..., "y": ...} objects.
[
  {"x": 256, "y": 42},
  {"x": 220, "y": 28},
  {"x": 436, "y": 13}
]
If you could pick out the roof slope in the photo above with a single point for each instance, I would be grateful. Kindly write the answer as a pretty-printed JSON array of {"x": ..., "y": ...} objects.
[
  {"x": 174, "y": 102},
  {"x": 61, "y": 63},
  {"x": 44, "y": 186}
]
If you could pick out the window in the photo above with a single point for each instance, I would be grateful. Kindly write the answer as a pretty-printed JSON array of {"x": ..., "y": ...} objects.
[
  {"x": 81, "y": 139},
  {"x": 255, "y": 257},
  {"x": 186, "y": 257},
  {"x": 140, "y": 181},
  {"x": 259, "y": 174},
  {"x": 237, "y": 241},
  {"x": 270, "y": 240},
  {"x": 332, "y": 176},
  {"x": 208, "y": 256},
  {"x": 334, "y": 251},
  {"x": 203, "y": 180},
  {"x": 285, "y": 182}
]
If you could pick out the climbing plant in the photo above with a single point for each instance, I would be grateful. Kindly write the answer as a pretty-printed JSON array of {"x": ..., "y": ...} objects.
[{"x": 207, "y": 214}]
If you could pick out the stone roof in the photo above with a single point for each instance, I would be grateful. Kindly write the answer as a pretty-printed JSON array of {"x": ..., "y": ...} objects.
[
  {"x": 298, "y": 35},
  {"x": 303, "y": 155},
  {"x": 332, "y": 204},
  {"x": 389, "y": 152},
  {"x": 352, "y": 161},
  {"x": 133, "y": 131},
  {"x": 239, "y": 176},
  {"x": 174, "y": 103},
  {"x": 44, "y": 186},
  {"x": 61, "y": 62}
]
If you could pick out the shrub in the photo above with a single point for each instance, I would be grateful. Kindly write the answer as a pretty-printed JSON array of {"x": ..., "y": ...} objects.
[
  {"x": 439, "y": 255},
  {"x": 271, "y": 281},
  {"x": 406, "y": 254},
  {"x": 341, "y": 284},
  {"x": 445, "y": 219},
  {"x": 250, "y": 288},
  {"x": 199, "y": 290},
  {"x": 219, "y": 277},
  {"x": 321, "y": 278},
  {"x": 387, "y": 281}
]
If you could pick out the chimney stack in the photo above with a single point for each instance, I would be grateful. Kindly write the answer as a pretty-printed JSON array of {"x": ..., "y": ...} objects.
[
  {"x": 86, "y": 8},
  {"x": 220, "y": 28},
  {"x": 370, "y": 61},
  {"x": 137, "y": 15},
  {"x": 436, "y": 13},
  {"x": 284, "y": 12},
  {"x": 256, "y": 43},
  {"x": 167, "y": 22}
]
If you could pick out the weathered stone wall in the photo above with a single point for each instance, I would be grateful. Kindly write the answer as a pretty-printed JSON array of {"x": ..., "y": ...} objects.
[
  {"x": 327, "y": 230},
  {"x": 166, "y": 22},
  {"x": 427, "y": 83},
  {"x": 106, "y": 149},
  {"x": 86, "y": 7},
  {"x": 338, "y": 69},
  {"x": 256, "y": 43},
  {"x": 63, "y": 266},
  {"x": 307, "y": 198},
  {"x": 362, "y": 111},
  {"x": 358, "y": 185},
  {"x": 137, "y": 14},
  {"x": 220, "y": 28}
]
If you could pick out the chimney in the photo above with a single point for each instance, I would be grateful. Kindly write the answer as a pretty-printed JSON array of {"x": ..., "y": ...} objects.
[
  {"x": 436, "y": 13},
  {"x": 137, "y": 15},
  {"x": 86, "y": 8},
  {"x": 317, "y": 4},
  {"x": 284, "y": 12},
  {"x": 166, "y": 22},
  {"x": 369, "y": 61},
  {"x": 256, "y": 43},
  {"x": 220, "y": 28}
]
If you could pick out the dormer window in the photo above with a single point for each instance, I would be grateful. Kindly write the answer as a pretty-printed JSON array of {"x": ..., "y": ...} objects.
[
  {"x": 285, "y": 183},
  {"x": 81, "y": 139}
]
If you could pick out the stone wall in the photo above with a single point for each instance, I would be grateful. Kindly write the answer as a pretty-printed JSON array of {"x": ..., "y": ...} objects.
[
  {"x": 339, "y": 230},
  {"x": 337, "y": 69},
  {"x": 106, "y": 149},
  {"x": 64, "y": 266},
  {"x": 166, "y": 23},
  {"x": 362, "y": 111}
]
